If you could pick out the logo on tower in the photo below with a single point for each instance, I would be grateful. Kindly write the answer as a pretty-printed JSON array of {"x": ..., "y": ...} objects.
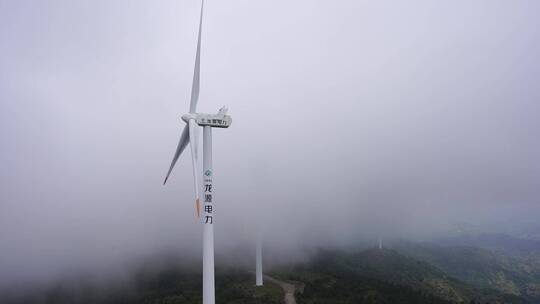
[{"x": 208, "y": 173}]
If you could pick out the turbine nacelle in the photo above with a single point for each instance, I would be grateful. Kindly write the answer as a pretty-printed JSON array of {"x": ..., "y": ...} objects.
[{"x": 219, "y": 120}]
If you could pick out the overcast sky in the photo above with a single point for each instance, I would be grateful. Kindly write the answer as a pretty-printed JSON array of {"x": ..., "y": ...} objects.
[{"x": 349, "y": 117}]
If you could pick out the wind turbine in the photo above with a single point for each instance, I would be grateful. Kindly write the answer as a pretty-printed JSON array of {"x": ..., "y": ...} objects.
[
  {"x": 208, "y": 121},
  {"x": 258, "y": 262}
]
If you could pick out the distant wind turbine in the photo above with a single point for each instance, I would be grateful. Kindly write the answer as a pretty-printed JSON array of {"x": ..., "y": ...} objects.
[
  {"x": 189, "y": 134},
  {"x": 258, "y": 263}
]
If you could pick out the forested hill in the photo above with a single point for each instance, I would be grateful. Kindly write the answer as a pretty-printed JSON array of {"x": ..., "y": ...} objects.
[
  {"x": 384, "y": 276},
  {"x": 409, "y": 273},
  {"x": 480, "y": 267}
]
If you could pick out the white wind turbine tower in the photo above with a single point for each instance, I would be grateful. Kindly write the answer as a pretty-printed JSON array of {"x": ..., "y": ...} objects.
[
  {"x": 189, "y": 134},
  {"x": 258, "y": 262}
]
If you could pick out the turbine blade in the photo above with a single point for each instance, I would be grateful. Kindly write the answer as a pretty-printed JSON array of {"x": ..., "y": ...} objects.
[
  {"x": 197, "y": 72},
  {"x": 184, "y": 138},
  {"x": 193, "y": 143}
]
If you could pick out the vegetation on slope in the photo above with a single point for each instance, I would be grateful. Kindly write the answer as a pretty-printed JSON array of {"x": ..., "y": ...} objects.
[
  {"x": 410, "y": 273},
  {"x": 480, "y": 267},
  {"x": 382, "y": 276},
  {"x": 163, "y": 286}
]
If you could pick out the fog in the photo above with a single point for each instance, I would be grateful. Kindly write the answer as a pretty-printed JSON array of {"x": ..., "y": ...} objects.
[{"x": 351, "y": 119}]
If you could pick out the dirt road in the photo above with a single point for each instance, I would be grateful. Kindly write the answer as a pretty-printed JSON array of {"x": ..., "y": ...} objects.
[{"x": 288, "y": 288}]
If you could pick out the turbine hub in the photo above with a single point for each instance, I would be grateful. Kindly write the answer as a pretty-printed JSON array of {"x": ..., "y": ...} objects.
[{"x": 187, "y": 117}]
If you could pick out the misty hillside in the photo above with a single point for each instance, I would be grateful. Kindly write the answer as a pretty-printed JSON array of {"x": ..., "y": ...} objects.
[
  {"x": 410, "y": 273},
  {"x": 503, "y": 243},
  {"x": 176, "y": 285},
  {"x": 480, "y": 267},
  {"x": 366, "y": 274}
]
